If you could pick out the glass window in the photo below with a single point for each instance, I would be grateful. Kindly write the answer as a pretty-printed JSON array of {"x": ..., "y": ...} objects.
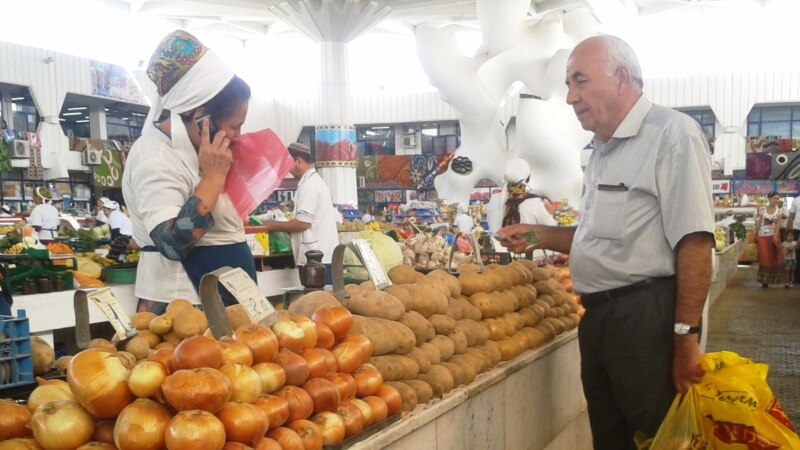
[
  {"x": 780, "y": 121},
  {"x": 778, "y": 129},
  {"x": 375, "y": 140},
  {"x": 776, "y": 114}
]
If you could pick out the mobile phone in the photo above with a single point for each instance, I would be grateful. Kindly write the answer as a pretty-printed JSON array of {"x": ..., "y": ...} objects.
[{"x": 212, "y": 127}]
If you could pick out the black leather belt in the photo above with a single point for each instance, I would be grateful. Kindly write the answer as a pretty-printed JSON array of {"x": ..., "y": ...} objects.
[{"x": 598, "y": 298}]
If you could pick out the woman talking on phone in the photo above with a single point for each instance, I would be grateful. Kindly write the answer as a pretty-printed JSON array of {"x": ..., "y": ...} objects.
[{"x": 175, "y": 174}]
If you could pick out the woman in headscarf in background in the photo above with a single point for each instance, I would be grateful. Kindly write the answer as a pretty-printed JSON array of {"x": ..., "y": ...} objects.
[
  {"x": 175, "y": 174},
  {"x": 44, "y": 216},
  {"x": 119, "y": 223},
  {"x": 517, "y": 203}
]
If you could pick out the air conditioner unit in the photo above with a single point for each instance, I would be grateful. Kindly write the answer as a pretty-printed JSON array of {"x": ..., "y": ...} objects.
[
  {"x": 91, "y": 157},
  {"x": 362, "y": 182},
  {"x": 409, "y": 141},
  {"x": 20, "y": 149}
]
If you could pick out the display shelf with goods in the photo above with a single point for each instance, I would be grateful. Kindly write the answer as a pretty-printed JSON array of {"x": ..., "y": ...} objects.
[
  {"x": 421, "y": 215},
  {"x": 351, "y": 214}
]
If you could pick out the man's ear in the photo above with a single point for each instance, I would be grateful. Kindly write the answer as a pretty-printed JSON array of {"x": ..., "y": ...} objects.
[{"x": 624, "y": 76}]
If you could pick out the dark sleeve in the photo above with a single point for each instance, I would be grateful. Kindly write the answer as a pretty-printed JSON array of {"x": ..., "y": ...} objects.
[{"x": 176, "y": 237}]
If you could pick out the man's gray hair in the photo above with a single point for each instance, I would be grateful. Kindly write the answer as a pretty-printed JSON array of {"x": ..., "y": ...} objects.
[{"x": 621, "y": 54}]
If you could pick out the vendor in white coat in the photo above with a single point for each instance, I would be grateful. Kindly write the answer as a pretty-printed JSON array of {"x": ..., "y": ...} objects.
[
  {"x": 518, "y": 204},
  {"x": 463, "y": 220},
  {"x": 118, "y": 222},
  {"x": 44, "y": 216},
  {"x": 314, "y": 224}
]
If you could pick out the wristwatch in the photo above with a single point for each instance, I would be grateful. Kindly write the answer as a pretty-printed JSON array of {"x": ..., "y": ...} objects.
[{"x": 683, "y": 329}]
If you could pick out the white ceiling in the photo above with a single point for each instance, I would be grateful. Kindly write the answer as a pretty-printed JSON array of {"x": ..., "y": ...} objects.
[{"x": 245, "y": 19}]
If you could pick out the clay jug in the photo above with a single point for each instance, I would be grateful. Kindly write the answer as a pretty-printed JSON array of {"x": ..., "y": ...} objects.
[{"x": 312, "y": 274}]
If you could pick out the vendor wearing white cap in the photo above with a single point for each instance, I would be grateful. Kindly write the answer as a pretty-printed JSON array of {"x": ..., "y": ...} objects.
[
  {"x": 118, "y": 222},
  {"x": 517, "y": 204},
  {"x": 463, "y": 220},
  {"x": 101, "y": 216},
  {"x": 44, "y": 216}
]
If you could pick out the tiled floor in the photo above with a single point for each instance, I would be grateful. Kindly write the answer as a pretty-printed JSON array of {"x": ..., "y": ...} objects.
[{"x": 762, "y": 325}]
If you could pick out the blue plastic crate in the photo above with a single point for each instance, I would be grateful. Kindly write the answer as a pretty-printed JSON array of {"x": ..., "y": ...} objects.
[{"x": 16, "y": 363}]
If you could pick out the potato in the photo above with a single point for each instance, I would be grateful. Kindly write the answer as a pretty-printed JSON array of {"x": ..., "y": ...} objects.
[
  {"x": 419, "y": 325},
  {"x": 308, "y": 303},
  {"x": 401, "y": 294},
  {"x": 539, "y": 274},
  {"x": 422, "y": 390},
  {"x": 410, "y": 366},
  {"x": 387, "y": 336},
  {"x": 450, "y": 280},
  {"x": 445, "y": 345},
  {"x": 489, "y": 304},
  {"x": 436, "y": 285},
  {"x": 391, "y": 368},
  {"x": 236, "y": 316},
  {"x": 42, "y": 355},
  {"x": 469, "y": 310},
  {"x": 103, "y": 344},
  {"x": 432, "y": 351},
  {"x": 459, "y": 341},
  {"x": 151, "y": 338},
  {"x": 421, "y": 358},
  {"x": 190, "y": 322},
  {"x": 375, "y": 304},
  {"x": 543, "y": 287},
  {"x": 440, "y": 379},
  {"x": 127, "y": 358},
  {"x": 141, "y": 320},
  {"x": 456, "y": 372},
  {"x": 178, "y": 304},
  {"x": 408, "y": 394},
  {"x": 62, "y": 363},
  {"x": 472, "y": 283},
  {"x": 442, "y": 324},
  {"x": 455, "y": 308},
  {"x": 427, "y": 301},
  {"x": 403, "y": 274},
  {"x": 469, "y": 367},
  {"x": 161, "y": 325},
  {"x": 138, "y": 347}
]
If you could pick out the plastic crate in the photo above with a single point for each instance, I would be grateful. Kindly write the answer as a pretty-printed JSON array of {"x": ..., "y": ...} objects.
[{"x": 16, "y": 363}]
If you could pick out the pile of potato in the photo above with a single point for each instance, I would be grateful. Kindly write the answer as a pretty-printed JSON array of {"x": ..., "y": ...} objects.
[{"x": 432, "y": 333}]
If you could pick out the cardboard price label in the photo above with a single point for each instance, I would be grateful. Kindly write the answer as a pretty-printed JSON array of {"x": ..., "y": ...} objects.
[
  {"x": 246, "y": 292},
  {"x": 109, "y": 304},
  {"x": 363, "y": 248}
]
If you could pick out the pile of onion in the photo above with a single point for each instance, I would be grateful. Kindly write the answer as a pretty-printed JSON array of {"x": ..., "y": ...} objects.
[{"x": 99, "y": 381}]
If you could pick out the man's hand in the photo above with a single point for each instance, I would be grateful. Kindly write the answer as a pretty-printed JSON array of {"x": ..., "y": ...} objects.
[
  {"x": 518, "y": 238},
  {"x": 686, "y": 369}
]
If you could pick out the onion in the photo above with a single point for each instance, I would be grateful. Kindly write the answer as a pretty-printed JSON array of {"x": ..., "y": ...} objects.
[
  {"x": 141, "y": 425},
  {"x": 164, "y": 356},
  {"x": 14, "y": 420},
  {"x": 325, "y": 337},
  {"x": 295, "y": 366},
  {"x": 204, "y": 388},
  {"x": 365, "y": 409},
  {"x": 197, "y": 351},
  {"x": 324, "y": 394},
  {"x": 300, "y": 403},
  {"x": 47, "y": 392},
  {"x": 268, "y": 444},
  {"x": 317, "y": 362},
  {"x": 349, "y": 355},
  {"x": 21, "y": 444},
  {"x": 392, "y": 397},
  {"x": 309, "y": 432},
  {"x": 276, "y": 408},
  {"x": 146, "y": 378},
  {"x": 260, "y": 339},
  {"x": 366, "y": 345},
  {"x": 337, "y": 318},
  {"x": 331, "y": 425},
  {"x": 245, "y": 382},
  {"x": 104, "y": 431},
  {"x": 235, "y": 352},
  {"x": 352, "y": 418},
  {"x": 287, "y": 438},
  {"x": 99, "y": 381},
  {"x": 345, "y": 383},
  {"x": 291, "y": 335},
  {"x": 95, "y": 445},
  {"x": 243, "y": 422},
  {"x": 379, "y": 409},
  {"x": 62, "y": 425},
  {"x": 195, "y": 430},
  {"x": 368, "y": 379},
  {"x": 272, "y": 376},
  {"x": 233, "y": 445}
]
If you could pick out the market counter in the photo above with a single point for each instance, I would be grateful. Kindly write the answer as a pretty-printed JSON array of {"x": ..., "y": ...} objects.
[{"x": 532, "y": 402}]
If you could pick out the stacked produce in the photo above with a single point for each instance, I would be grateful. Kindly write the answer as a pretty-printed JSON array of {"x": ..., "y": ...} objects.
[
  {"x": 425, "y": 251},
  {"x": 300, "y": 384}
]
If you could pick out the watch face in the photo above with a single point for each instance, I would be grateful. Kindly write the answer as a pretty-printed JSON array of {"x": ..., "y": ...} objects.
[{"x": 681, "y": 328}]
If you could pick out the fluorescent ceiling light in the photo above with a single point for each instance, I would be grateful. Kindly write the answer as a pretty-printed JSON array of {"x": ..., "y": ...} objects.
[
  {"x": 138, "y": 114},
  {"x": 82, "y": 121},
  {"x": 17, "y": 98},
  {"x": 77, "y": 108},
  {"x": 380, "y": 128},
  {"x": 126, "y": 118},
  {"x": 72, "y": 114}
]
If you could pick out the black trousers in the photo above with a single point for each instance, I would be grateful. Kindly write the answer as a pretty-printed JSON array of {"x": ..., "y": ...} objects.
[
  {"x": 797, "y": 267},
  {"x": 626, "y": 364}
]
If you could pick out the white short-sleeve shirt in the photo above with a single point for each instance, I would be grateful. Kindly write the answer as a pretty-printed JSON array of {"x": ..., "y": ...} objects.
[
  {"x": 313, "y": 205},
  {"x": 464, "y": 223},
  {"x": 45, "y": 215},
  {"x": 118, "y": 219}
]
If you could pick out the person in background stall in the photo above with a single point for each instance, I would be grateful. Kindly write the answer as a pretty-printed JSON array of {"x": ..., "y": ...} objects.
[
  {"x": 314, "y": 224},
  {"x": 5, "y": 211},
  {"x": 789, "y": 246},
  {"x": 793, "y": 225},
  {"x": 100, "y": 216},
  {"x": 463, "y": 221},
  {"x": 174, "y": 177},
  {"x": 641, "y": 254},
  {"x": 118, "y": 222},
  {"x": 367, "y": 217},
  {"x": 768, "y": 238},
  {"x": 517, "y": 203},
  {"x": 44, "y": 217}
]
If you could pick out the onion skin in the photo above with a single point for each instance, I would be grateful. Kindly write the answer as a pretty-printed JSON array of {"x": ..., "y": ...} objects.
[
  {"x": 99, "y": 381},
  {"x": 260, "y": 339},
  {"x": 95, "y": 445},
  {"x": 14, "y": 420},
  {"x": 276, "y": 408},
  {"x": 141, "y": 426},
  {"x": 104, "y": 431},
  {"x": 62, "y": 425},
  {"x": 244, "y": 423},
  {"x": 24, "y": 444},
  {"x": 195, "y": 430},
  {"x": 195, "y": 352},
  {"x": 204, "y": 388},
  {"x": 47, "y": 392}
]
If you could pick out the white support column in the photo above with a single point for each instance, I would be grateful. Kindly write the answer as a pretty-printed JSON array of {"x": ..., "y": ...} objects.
[{"x": 97, "y": 122}]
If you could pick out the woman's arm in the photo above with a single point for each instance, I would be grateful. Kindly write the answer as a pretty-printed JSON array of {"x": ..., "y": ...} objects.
[{"x": 175, "y": 238}]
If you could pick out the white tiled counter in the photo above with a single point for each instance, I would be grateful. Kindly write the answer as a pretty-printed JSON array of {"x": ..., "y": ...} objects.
[{"x": 532, "y": 402}]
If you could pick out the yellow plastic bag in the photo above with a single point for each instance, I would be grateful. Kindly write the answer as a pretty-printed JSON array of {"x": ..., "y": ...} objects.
[
  {"x": 737, "y": 408},
  {"x": 681, "y": 429}
]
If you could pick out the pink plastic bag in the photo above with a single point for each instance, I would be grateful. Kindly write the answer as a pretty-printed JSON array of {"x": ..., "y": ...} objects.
[{"x": 260, "y": 162}]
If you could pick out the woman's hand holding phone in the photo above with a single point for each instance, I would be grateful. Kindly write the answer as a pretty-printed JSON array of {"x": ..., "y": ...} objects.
[{"x": 214, "y": 154}]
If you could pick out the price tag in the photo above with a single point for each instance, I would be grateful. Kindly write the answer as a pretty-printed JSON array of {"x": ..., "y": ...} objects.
[
  {"x": 246, "y": 292},
  {"x": 363, "y": 248},
  {"x": 109, "y": 304}
]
